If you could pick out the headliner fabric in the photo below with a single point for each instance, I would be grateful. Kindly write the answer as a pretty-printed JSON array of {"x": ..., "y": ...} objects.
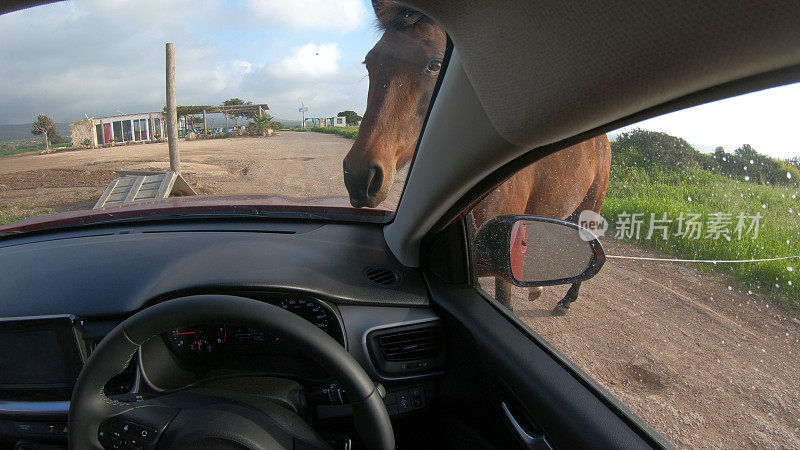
[{"x": 548, "y": 70}]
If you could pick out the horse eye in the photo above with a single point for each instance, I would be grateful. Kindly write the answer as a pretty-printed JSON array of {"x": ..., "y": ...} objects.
[{"x": 434, "y": 66}]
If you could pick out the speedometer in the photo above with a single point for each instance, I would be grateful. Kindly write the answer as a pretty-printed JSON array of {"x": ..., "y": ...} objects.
[{"x": 312, "y": 311}]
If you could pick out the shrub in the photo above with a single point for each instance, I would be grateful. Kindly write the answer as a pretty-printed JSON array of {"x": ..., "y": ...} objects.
[
  {"x": 645, "y": 148},
  {"x": 660, "y": 151}
]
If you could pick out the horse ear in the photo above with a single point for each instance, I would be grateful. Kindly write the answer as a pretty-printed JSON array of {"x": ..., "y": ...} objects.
[
  {"x": 376, "y": 6},
  {"x": 383, "y": 12}
]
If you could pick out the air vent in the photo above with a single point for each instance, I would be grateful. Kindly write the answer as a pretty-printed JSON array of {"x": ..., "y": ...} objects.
[
  {"x": 381, "y": 275},
  {"x": 408, "y": 349},
  {"x": 411, "y": 345}
]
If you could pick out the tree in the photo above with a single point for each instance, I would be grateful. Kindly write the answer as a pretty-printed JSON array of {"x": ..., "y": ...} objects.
[
  {"x": 260, "y": 125},
  {"x": 191, "y": 120},
  {"x": 236, "y": 115},
  {"x": 45, "y": 126},
  {"x": 646, "y": 148},
  {"x": 350, "y": 116}
]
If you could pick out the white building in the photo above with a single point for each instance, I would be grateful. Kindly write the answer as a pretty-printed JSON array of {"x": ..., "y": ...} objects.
[
  {"x": 99, "y": 132},
  {"x": 338, "y": 121}
]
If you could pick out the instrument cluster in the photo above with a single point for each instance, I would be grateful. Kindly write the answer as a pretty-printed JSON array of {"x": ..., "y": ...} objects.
[{"x": 208, "y": 341}]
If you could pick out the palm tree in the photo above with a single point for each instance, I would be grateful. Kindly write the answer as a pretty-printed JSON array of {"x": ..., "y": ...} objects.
[{"x": 262, "y": 124}]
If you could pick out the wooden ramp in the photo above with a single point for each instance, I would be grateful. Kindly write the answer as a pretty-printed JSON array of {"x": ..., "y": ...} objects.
[{"x": 138, "y": 186}]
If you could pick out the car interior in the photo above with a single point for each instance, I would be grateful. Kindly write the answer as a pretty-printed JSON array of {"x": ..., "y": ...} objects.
[{"x": 313, "y": 330}]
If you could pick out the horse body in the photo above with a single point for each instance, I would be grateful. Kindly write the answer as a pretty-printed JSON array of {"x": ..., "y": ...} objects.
[
  {"x": 403, "y": 67},
  {"x": 557, "y": 186}
]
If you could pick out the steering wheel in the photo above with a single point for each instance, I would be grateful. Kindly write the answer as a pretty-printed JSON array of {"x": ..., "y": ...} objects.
[{"x": 203, "y": 419}]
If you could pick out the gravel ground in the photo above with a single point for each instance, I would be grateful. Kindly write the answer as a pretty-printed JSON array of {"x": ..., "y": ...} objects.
[{"x": 290, "y": 163}]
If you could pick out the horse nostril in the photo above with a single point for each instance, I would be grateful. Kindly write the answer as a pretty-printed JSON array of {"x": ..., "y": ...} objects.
[{"x": 375, "y": 180}]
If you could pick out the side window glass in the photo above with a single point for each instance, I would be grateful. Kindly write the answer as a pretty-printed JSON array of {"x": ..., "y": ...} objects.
[{"x": 692, "y": 322}]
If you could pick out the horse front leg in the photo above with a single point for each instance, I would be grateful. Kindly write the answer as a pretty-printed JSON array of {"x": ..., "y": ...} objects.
[
  {"x": 563, "y": 305},
  {"x": 502, "y": 293}
]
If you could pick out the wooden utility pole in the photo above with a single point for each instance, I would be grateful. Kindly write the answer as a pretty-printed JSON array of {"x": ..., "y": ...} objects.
[{"x": 172, "y": 112}]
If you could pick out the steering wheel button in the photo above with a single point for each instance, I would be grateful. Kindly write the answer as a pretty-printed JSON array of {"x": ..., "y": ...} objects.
[
  {"x": 128, "y": 429},
  {"x": 135, "y": 432},
  {"x": 147, "y": 434},
  {"x": 117, "y": 442}
]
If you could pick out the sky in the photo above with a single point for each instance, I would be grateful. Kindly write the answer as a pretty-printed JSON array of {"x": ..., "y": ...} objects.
[
  {"x": 768, "y": 120},
  {"x": 106, "y": 57}
]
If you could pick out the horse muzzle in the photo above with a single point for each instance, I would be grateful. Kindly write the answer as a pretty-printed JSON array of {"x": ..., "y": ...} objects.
[{"x": 366, "y": 186}]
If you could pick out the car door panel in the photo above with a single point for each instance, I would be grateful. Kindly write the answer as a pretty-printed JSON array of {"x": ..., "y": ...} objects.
[{"x": 536, "y": 388}]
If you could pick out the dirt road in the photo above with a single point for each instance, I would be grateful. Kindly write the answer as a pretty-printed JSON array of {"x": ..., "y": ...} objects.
[
  {"x": 704, "y": 363},
  {"x": 290, "y": 163}
]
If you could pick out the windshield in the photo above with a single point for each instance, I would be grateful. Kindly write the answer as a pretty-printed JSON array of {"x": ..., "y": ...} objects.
[{"x": 291, "y": 103}]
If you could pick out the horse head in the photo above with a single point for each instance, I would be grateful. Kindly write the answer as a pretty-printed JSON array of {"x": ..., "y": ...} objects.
[{"x": 402, "y": 68}]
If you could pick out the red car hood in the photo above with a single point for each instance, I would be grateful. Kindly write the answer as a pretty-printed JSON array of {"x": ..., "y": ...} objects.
[{"x": 233, "y": 204}]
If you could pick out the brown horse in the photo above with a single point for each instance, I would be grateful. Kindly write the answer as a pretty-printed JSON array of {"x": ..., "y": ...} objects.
[{"x": 403, "y": 67}]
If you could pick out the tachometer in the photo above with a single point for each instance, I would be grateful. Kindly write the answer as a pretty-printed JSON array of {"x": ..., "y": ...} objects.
[{"x": 198, "y": 341}]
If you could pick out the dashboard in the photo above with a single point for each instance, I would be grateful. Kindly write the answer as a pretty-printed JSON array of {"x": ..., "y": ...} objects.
[{"x": 318, "y": 271}]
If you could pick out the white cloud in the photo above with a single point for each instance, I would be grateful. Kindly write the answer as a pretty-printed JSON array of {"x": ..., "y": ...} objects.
[
  {"x": 310, "y": 61},
  {"x": 343, "y": 88},
  {"x": 336, "y": 15}
]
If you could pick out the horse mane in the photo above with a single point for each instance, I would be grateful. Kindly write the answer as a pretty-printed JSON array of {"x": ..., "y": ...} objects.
[{"x": 391, "y": 14}]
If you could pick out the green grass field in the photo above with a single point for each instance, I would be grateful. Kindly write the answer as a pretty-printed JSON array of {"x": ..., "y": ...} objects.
[
  {"x": 350, "y": 132},
  {"x": 653, "y": 190},
  {"x": 30, "y": 148}
]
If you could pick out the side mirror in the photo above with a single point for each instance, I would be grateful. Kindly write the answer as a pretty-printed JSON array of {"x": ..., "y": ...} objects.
[{"x": 537, "y": 251}]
